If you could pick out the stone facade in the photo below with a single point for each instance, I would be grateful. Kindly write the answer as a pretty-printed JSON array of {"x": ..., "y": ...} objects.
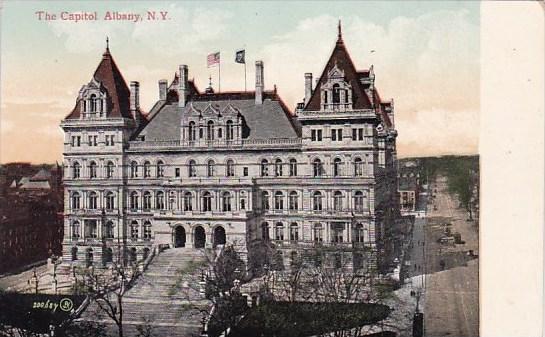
[{"x": 203, "y": 169}]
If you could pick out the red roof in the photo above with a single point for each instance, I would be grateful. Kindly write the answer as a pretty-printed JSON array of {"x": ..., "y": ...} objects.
[
  {"x": 110, "y": 77},
  {"x": 341, "y": 58}
]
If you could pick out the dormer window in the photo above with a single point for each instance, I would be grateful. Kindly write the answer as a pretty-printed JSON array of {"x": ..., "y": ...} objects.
[
  {"x": 336, "y": 93},
  {"x": 93, "y": 100}
]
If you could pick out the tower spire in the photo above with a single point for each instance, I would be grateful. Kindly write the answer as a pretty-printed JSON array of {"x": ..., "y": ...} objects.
[
  {"x": 339, "y": 33},
  {"x": 107, "y": 43}
]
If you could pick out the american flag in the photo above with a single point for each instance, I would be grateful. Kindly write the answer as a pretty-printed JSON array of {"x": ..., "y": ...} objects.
[{"x": 213, "y": 59}]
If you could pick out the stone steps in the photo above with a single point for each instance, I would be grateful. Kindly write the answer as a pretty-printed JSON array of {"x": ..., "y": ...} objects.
[{"x": 165, "y": 296}]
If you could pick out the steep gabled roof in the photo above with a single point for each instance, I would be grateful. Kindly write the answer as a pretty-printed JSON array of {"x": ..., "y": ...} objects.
[
  {"x": 108, "y": 74},
  {"x": 341, "y": 58}
]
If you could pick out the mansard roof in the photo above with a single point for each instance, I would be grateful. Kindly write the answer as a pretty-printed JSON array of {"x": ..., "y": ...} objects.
[
  {"x": 340, "y": 58},
  {"x": 272, "y": 119},
  {"x": 108, "y": 74}
]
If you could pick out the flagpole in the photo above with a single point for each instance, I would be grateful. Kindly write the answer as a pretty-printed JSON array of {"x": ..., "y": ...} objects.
[
  {"x": 245, "y": 76},
  {"x": 219, "y": 75}
]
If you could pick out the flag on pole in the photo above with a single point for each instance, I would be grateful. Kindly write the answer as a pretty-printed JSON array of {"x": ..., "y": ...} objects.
[
  {"x": 240, "y": 56},
  {"x": 213, "y": 59}
]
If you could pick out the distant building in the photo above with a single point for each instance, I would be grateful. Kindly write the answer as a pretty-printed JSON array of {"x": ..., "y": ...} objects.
[
  {"x": 409, "y": 185},
  {"x": 203, "y": 169},
  {"x": 31, "y": 226}
]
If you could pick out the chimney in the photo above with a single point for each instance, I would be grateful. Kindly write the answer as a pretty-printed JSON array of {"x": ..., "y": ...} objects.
[
  {"x": 259, "y": 82},
  {"x": 163, "y": 89},
  {"x": 134, "y": 101},
  {"x": 182, "y": 86},
  {"x": 308, "y": 87}
]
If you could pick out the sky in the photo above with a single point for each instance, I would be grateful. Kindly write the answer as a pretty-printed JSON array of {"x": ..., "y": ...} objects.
[{"x": 425, "y": 56}]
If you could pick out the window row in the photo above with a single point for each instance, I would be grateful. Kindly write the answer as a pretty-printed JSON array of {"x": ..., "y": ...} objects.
[
  {"x": 358, "y": 134},
  {"x": 92, "y": 140},
  {"x": 76, "y": 200},
  {"x": 107, "y": 255},
  {"x": 195, "y": 132},
  {"x": 338, "y": 232},
  {"x": 93, "y": 170},
  {"x": 188, "y": 201},
  {"x": 90, "y": 230},
  {"x": 360, "y": 201}
]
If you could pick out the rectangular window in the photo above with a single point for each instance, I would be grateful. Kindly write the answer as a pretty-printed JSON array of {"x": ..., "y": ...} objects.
[
  {"x": 177, "y": 172},
  {"x": 354, "y": 134},
  {"x": 90, "y": 142},
  {"x": 319, "y": 135},
  {"x": 333, "y": 135},
  {"x": 313, "y": 135},
  {"x": 245, "y": 171},
  {"x": 360, "y": 134},
  {"x": 340, "y": 135},
  {"x": 336, "y": 135}
]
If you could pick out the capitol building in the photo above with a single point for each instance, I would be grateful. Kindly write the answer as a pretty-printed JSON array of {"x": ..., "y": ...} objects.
[{"x": 205, "y": 169}]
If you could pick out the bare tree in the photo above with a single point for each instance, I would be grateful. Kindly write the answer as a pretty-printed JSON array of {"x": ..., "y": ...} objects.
[{"x": 107, "y": 290}]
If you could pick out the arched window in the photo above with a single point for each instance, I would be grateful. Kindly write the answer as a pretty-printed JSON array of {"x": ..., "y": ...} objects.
[
  {"x": 92, "y": 170},
  {"x": 264, "y": 168},
  {"x": 278, "y": 200},
  {"x": 132, "y": 256},
  {"x": 147, "y": 230},
  {"x": 318, "y": 233},
  {"x": 226, "y": 201},
  {"x": 338, "y": 201},
  {"x": 110, "y": 200},
  {"x": 337, "y": 164},
  {"x": 160, "y": 200},
  {"x": 147, "y": 201},
  {"x": 108, "y": 255},
  {"x": 134, "y": 169},
  {"x": 109, "y": 230},
  {"x": 337, "y": 230},
  {"x": 317, "y": 201},
  {"x": 210, "y": 131},
  {"x": 279, "y": 231},
  {"x": 278, "y": 168},
  {"x": 293, "y": 167},
  {"x": 91, "y": 229},
  {"x": 76, "y": 200},
  {"x": 134, "y": 200},
  {"x": 134, "y": 230},
  {"x": 336, "y": 94},
  {"x": 75, "y": 230},
  {"x": 360, "y": 201},
  {"x": 294, "y": 231},
  {"x": 74, "y": 253},
  {"x": 188, "y": 201},
  {"x": 192, "y": 131},
  {"x": 93, "y": 200},
  {"x": 293, "y": 201},
  {"x": 358, "y": 167},
  {"x": 109, "y": 169},
  {"x": 207, "y": 202},
  {"x": 265, "y": 231},
  {"x": 147, "y": 169},
  {"x": 230, "y": 130},
  {"x": 192, "y": 168},
  {"x": 230, "y": 168},
  {"x": 76, "y": 170},
  {"x": 265, "y": 200},
  {"x": 160, "y": 169},
  {"x": 359, "y": 233},
  {"x": 210, "y": 168},
  {"x": 93, "y": 101},
  {"x": 317, "y": 167}
]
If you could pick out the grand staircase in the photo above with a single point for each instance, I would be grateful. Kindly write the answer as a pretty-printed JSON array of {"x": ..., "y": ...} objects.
[{"x": 168, "y": 296}]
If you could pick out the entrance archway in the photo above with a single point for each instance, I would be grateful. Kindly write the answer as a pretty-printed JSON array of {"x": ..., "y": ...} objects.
[
  {"x": 219, "y": 236},
  {"x": 200, "y": 237},
  {"x": 179, "y": 237}
]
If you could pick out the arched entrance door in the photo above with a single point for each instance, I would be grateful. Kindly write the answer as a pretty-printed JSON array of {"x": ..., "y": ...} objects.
[
  {"x": 179, "y": 237},
  {"x": 200, "y": 237},
  {"x": 219, "y": 236}
]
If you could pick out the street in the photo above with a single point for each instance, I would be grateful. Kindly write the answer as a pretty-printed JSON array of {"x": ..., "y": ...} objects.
[{"x": 451, "y": 301}]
